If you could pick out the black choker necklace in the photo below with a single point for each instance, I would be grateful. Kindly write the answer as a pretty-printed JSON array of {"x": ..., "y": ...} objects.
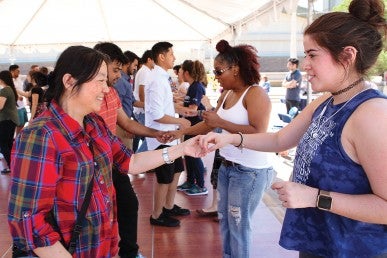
[{"x": 348, "y": 88}]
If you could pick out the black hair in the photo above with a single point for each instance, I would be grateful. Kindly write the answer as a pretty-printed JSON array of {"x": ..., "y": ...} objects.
[
  {"x": 147, "y": 54},
  {"x": 13, "y": 67},
  {"x": 6, "y": 77},
  {"x": 160, "y": 48},
  {"x": 113, "y": 51},
  {"x": 40, "y": 79},
  {"x": 294, "y": 61},
  {"x": 43, "y": 70},
  {"x": 131, "y": 56},
  {"x": 82, "y": 63}
]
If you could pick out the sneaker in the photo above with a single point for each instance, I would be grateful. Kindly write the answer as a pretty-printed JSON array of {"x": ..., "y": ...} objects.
[
  {"x": 164, "y": 221},
  {"x": 139, "y": 255},
  {"x": 176, "y": 211},
  {"x": 185, "y": 186},
  {"x": 196, "y": 190}
]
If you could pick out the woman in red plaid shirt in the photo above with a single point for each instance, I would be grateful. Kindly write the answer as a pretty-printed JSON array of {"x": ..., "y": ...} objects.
[{"x": 55, "y": 158}]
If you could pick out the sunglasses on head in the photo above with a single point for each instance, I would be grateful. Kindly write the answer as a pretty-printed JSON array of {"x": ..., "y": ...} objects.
[{"x": 221, "y": 71}]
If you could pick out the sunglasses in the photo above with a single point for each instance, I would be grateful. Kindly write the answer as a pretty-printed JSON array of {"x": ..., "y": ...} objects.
[{"x": 221, "y": 71}]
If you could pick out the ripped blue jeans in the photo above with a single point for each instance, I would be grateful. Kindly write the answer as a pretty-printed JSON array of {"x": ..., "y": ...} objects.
[{"x": 240, "y": 189}]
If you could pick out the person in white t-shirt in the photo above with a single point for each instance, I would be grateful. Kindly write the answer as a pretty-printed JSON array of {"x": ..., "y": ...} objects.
[
  {"x": 143, "y": 76},
  {"x": 160, "y": 115}
]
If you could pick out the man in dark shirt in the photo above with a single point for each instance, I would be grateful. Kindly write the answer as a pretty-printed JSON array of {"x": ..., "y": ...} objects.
[{"x": 292, "y": 83}]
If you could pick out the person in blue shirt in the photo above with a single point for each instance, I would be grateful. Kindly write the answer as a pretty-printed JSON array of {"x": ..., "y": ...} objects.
[
  {"x": 266, "y": 84},
  {"x": 124, "y": 88},
  {"x": 292, "y": 83}
]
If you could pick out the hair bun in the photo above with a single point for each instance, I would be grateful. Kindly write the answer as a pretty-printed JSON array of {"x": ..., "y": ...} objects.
[
  {"x": 223, "y": 46},
  {"x": 370, "y": 11}
]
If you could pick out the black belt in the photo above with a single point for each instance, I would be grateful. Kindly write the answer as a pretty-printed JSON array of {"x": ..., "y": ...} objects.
[{"x": 228, "y": 163}]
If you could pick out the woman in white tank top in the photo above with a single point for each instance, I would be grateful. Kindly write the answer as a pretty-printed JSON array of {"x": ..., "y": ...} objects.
[{"x": 244, "y": 174}]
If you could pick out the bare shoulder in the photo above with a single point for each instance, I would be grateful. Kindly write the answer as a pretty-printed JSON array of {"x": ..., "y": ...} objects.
[
  {"x": 369, "y": 121},
  {"x": 255, "y": 93},
  {"x": 374, "y": 109}
]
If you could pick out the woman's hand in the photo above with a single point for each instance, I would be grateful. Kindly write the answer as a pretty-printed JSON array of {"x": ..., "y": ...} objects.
[
  {"x": 177, "y": 134},
  {"x": 295, "y": 195},
  {"x": 193, "y": 148},
  {"x": 212, "y": 119},
  {"x": 213, "y": 141}
]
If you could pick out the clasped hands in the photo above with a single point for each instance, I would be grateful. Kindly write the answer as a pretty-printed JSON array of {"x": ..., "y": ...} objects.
[{"x": 291, "y": 194}]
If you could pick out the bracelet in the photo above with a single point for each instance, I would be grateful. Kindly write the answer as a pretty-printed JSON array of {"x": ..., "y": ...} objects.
[
  {"x": 166, "y": 158},
  {"x": 240, "y": 145}
]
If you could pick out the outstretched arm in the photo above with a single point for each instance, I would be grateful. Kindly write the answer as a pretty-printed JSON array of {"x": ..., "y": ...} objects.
[{"x": 144, "y": 161}]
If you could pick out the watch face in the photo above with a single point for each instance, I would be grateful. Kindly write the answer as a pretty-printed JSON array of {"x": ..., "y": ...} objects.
[{"x": 324, "y": 202}]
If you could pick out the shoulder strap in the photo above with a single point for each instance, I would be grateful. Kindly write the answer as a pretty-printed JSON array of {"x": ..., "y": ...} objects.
[{"x": 81, "y": 216}]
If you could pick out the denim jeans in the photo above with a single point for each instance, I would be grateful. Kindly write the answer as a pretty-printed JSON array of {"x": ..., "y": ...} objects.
[
  {"x": 240, "y": 190},
  {"x": 143, "y": 147}
]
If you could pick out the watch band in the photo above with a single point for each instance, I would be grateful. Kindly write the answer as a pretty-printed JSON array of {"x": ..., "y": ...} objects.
[
  {"x": 165, "y": 155},
  {"x": 322, "y": 192}
]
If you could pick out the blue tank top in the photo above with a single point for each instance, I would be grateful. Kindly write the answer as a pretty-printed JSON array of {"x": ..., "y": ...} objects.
[{"x": 321, "y": 162}]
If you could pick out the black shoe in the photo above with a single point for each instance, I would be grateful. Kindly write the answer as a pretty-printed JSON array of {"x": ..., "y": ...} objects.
[
  {"x": 164, "y": 221},
  {"x": 176, "y": 211},
  {"x": 5, "y": 171}
]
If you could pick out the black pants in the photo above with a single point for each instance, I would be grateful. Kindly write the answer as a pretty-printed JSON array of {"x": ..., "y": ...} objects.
[
  {"x": 7, "y": 130},
  {"x": 292, "y": 103},
  {"x": 195, "y": 168},
  {"x": 127, "y": 214}
]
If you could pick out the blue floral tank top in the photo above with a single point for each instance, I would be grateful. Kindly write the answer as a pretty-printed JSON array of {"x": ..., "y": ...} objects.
[{"x": 321, "y": 162}]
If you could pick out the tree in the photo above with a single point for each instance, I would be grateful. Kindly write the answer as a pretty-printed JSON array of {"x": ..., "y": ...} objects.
[{"x": 380, "y": 66}]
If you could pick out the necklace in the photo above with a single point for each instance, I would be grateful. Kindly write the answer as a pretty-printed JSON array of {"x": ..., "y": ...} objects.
[
  {"x": 320, "y": 123},
  {"x": 348, "y": 88}
]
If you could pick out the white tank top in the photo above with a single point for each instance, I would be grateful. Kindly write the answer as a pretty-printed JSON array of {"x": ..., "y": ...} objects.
[{"x": 237, "y": 114}]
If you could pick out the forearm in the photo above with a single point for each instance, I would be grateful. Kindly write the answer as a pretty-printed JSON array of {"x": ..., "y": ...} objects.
[
  {"x": 138, "y": 104},
  {"x": 148, "y": 160},
  {"x": 180, "y": 109},
  {"x": 55, "y": 250},
  {"x": 26, "y": 94},
  {"x": 199, "y": 128},
  {"x": 368, "y": 208},
  {"x": 289, "y": 84},
  {"x": 267, "y": 142},
  {"x": 33, "y": 110},
  {"x": 136, "y": 128},
  {"x": 166, "y": 119}
]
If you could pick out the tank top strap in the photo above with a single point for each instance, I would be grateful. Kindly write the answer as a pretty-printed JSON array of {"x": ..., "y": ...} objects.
[{"x": 239, "y": 100}]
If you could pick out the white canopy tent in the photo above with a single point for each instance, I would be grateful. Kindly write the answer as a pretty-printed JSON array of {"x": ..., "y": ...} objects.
[{"x": 48, "y": 26}]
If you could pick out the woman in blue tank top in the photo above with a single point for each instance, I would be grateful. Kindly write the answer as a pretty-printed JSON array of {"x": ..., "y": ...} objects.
[{"x": 337, "y": 199}]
